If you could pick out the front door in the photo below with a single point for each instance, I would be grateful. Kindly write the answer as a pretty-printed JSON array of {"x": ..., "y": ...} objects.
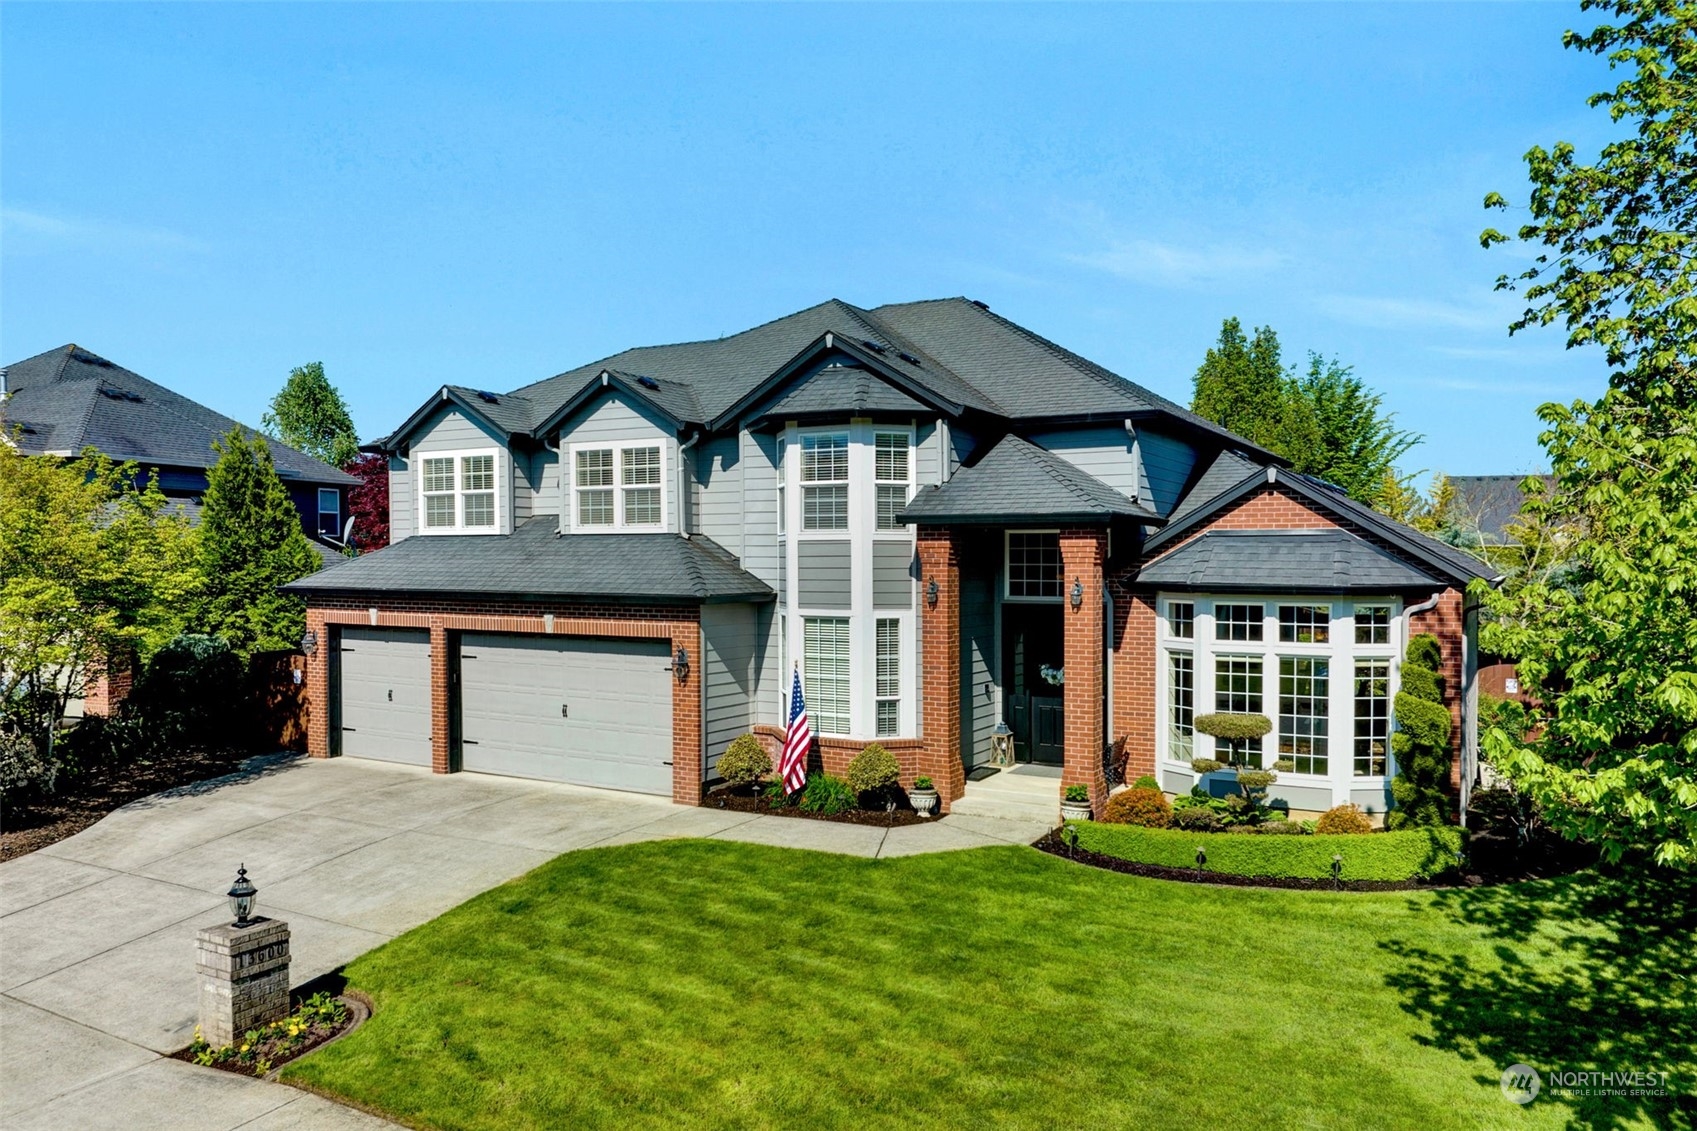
[{"x": 1032, "y": 653}]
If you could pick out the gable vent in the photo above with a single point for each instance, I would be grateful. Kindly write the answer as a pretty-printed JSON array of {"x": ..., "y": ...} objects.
[
  {"x": 873, "y": 346},
  {"x": 489, "y": 398},
  {"x": 648, "y": 383}
]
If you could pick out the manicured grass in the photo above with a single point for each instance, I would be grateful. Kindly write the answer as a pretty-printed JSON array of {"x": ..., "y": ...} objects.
[{"x": 708, "y": 984}]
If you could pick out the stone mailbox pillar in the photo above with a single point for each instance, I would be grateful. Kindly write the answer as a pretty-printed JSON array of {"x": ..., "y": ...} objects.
[{"x": 244, "y": 978}]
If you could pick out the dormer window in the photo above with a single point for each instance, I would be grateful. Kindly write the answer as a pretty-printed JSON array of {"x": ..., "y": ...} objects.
[
  {"x": 618, "y": 487},
  {"x": 458, "y": 492}
]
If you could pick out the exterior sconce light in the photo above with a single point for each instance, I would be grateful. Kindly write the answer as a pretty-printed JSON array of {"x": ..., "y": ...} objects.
[
  {"x": 242, "y": 894},
  {"x": 680, "y": 663},
  {"x": 309, "y": 642},
  {"x": 931, "y": 592},
  {"x": 1077, "y": 594}
]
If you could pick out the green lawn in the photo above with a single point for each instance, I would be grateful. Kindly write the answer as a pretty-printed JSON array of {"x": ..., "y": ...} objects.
[{"x": 697, "y": 983}]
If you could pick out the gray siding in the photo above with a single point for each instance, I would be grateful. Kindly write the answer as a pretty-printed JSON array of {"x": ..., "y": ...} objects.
[
  {"x": 892, "y": 575},
  {"x": 771, "y": 677},
  {"x": 717, "y": 483},
  {"x": 449, "y": 430},
  {"x": 1177, "y": 781},
  {"x": 961, "y": 445},
  {"x": 731, "y": 645},
  {"x": 1374, "y": 802},
  {"x": 613, "y": 419},
  {"x": 927, "y": 455},
  {"x": 825, "y": 574},
  {"x": 400, "y": 499},
  {"x": 1312, "y": 799},
  {"x": 759, "y": 513},
  {"x": 1167, "y": 464},
  {"x": 536, "y": 484},
  {"x": 978, "y": 672},
  {"x": 1103, "y": 452}
]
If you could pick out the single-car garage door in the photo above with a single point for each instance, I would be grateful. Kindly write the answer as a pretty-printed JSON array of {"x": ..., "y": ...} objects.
[
  {"x": 572, "y": 709},
  {"x": 385, "y": 700}
]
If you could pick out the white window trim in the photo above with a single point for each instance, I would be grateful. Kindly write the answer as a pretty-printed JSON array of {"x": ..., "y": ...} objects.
[
  {"x": 459, "y": 527},
  {"x": 1007, "y": 574},
  {"x": 336, "y": 496},
  {"x": 1341, "y": 650},
  {"x": 618, "y": 448},
  {"x": 861, "y": 533}
]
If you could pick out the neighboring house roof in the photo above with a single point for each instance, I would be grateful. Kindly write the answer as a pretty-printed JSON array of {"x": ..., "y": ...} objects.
[
  {"x": 69, "y": 399},
  {"x": 1451, "y": 563},
  {"x": 1319, "y": 561},
  {"x": 951, "y": 352},
  {"x": 535, "y": 561},
  {"x": 839, "y": 388},
  {"x": 1016, "y": 481},
  {"x": 1491, "y": 502}
]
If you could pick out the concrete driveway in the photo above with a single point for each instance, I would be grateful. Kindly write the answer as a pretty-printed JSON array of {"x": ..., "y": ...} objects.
[{"x": 97, "y": 932}]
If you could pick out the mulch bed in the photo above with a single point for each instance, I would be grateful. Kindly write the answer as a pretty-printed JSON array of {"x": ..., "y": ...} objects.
[
  {"x": 1558, "y": 862},
  {"x": 91, "y": 796},
  {"x": 359, "y": 1009},
  {"x": 735, "y": 800}
]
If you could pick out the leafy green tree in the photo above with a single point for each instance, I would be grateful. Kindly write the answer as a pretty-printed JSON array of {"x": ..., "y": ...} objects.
[
  {"x": 309, "y": 414},
  {"x": 1356, "y": 442},
  {"x": 251, "y": 543},
  {"x": 92, "y": 566},
  {"x": 1421, "y": 741},
  {"x": 1606, "y": 636}
]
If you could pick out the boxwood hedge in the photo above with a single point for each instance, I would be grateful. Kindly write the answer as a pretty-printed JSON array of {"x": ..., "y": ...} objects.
[{"x": 1384, "y": 856}]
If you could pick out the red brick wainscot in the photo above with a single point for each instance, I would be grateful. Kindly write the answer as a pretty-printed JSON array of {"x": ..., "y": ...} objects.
[{"x": 678, "y": 625}]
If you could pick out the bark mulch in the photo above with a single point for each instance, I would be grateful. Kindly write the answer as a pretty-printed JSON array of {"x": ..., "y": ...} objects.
[
  {"x": 735, "y": 800},
  {"x": 89, "y": 797}
]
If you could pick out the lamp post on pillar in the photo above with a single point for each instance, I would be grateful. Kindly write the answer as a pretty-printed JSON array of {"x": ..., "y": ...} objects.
[{"x": 243, "y": 967}]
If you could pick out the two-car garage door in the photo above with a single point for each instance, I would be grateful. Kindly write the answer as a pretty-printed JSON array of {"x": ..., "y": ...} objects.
[{"x": 573, "y": 709}]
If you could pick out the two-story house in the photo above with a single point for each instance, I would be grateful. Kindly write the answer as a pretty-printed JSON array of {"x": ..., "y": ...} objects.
[{"x": 942, "y": 520}]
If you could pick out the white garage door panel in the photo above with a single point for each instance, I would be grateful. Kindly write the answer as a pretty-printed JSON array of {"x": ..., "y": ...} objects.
[
  {"x": 385, "y": 694},
  {"x": 572, "y": 709}
]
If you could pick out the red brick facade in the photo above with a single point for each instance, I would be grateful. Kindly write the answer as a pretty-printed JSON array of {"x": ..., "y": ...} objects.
[
  {"x": 939, "y": 663},
  {"x": 678, "y": 625},
  {"x": 1084, "y": 554}
]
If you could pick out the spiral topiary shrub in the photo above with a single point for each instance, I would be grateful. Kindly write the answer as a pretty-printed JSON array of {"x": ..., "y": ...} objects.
[
  {"x": 744, "y": 761},
  {"x": 1147, "y": 807},
  {"x": 1343, "y": 819},
  {"x": 873, "y": 771},
  {"x": 1198, "y": 819},
  {"x": 1421, "y": 742}
]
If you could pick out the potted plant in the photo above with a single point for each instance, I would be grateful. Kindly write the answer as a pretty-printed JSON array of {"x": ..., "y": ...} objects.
[
  {"x": 924, "y": 796},
  {"x": 1075, "y": 803}
]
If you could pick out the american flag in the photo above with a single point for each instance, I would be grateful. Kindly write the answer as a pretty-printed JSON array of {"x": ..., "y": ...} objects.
[{"x": 792, "y": 764}]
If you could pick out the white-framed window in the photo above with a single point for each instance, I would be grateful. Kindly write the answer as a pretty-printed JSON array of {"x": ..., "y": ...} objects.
[
  {"x": 892, "y": 472},
  {"x": 1311, "y": 664},
  {"x": 826, "y": 673},
  {"x": 457, "y": 492},
  {"x": 783, "y": 501},
  {"x": 330, "y": 512},
  {"x": 888, "y": 693},
  {"x": 1034, "y": 565},
  {"x": 824, "y": 481},
  {"x": 618, "y": 487}
]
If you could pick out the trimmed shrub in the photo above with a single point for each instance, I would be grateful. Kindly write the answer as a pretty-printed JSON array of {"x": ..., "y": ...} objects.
[
  {"x": 873, "y": 771},
  {"x": 1255, "y": 782},
  {"x": 1421, "y": 742},
  {"x": 744, "y": 761},
  {"x": 827, "y": 796},
  {"x": 24, "y": 772},
  {"x": 1235, "y": 728},
  {"x": 1146, "y": 782},
  {"x": 1197, "y": 819},
  {"x": 1206, "y": 765},
  {"x": 1147, "y": 807},
  {"x": 1280, "y": 828},
  {"x": 192, "y": 689},
  {"x": 1345, "y": 820},
  {"x": 1383, "y": 857}
]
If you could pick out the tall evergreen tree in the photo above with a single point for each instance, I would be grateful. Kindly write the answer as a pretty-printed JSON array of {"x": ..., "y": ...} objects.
[
  {"x": 1356, "y": 442},
  {"x": 308, "y": 414},
  {"x": 250, "y": 543},
  {"x": 1241, "y": 384}
]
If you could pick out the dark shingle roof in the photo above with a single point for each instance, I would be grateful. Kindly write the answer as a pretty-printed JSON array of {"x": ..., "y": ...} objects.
[
  {"x": 1017, "y": 481},
  {"x": 69, "y": 399},
  {"x": 507, "y": 412},
  {"x": 1227, "y": 471},
  {"x": 1318, "y": 561},
  {"x": 1490, "y": 502},
  {"x": 845, "y": 388},
  {"x": 535, "y": 561}
]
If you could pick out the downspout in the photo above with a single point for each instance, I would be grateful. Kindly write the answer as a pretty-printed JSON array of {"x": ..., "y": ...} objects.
[
  {"x": 683, "y": 486},
  {"x": 560, "y": 462},
  {"x": 1469, "y": 705},
  {"x": 1136, "y": 462},
  {"x": 1408, "y": 616},
  {"x": 944, "y": 447}
]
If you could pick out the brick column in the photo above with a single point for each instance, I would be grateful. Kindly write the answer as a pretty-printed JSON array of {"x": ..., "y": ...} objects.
[
  {"x": 1134, "y": 659},
  {"x": 318, "y": 687},
  {"x": 687, "y": 710},
  {"x": 1084, "y": 554},
  {"x": 441, "y": 693},
  {"x": 939, "y": 663}
]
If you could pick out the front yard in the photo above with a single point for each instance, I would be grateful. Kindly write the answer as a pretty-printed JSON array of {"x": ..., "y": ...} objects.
[{"x": 695, "y": 983}]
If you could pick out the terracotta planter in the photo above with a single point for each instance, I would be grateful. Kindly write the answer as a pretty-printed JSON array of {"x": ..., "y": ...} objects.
[{"x": 924, "y": 801}]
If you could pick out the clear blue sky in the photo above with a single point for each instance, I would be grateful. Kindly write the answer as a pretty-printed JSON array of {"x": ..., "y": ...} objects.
[{"x": 211, "y": 194}]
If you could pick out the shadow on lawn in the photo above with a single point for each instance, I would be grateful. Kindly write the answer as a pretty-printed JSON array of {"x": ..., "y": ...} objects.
[{"x": 1595, "y": 972}]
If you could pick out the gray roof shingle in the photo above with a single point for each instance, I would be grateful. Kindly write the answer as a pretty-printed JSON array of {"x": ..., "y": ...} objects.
[
  {"x": 1017, "y": 481},
  {"x": 1296, "y": 561},
  {"x": 69, "y": 399},
  {"x": 536, "y": 561},
  {"x": 845, "y": 388}
]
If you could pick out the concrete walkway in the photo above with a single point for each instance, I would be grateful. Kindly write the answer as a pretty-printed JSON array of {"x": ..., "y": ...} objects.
[{"x": 97, "y": 932}]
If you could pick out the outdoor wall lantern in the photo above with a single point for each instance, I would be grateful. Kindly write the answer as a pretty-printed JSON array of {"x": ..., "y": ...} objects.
[
  {"x": 931, "y": 592},
  {"x": 309, "y": 642},
  {"x": 680, "y": 663},
  {"x": 242, "y": 894},
  {"x": 1077, "y": 594}
]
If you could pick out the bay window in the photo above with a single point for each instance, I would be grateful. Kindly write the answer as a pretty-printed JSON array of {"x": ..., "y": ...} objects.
[
  {"x": 890, "y": 469},
  {"x": 825, "y": 669},
  {"x": 824, "y": 478}
]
